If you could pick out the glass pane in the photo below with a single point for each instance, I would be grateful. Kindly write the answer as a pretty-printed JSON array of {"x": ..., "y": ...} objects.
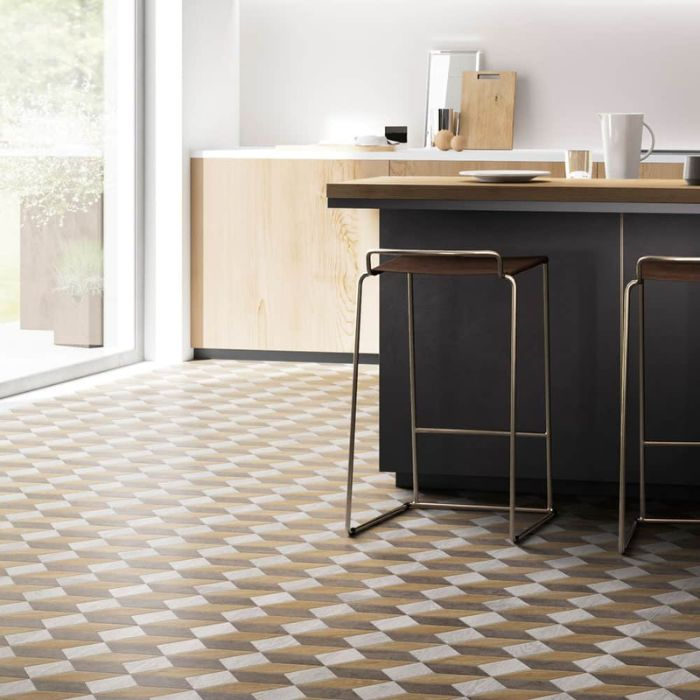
[{"x": 59, "y": 128}]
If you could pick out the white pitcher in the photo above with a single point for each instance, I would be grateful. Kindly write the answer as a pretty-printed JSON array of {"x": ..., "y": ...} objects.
[{"x": 622, "y": 144}]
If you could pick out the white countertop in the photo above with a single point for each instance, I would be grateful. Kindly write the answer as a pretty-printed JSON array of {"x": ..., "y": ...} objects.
[{"x": 327, "y": 153}]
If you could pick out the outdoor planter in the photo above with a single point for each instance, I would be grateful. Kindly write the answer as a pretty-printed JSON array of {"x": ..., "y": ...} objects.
[
  {"x": 40, "y": 248},
  {"x": 77, "y": 320},
  {"x": 78, "y": 294}
]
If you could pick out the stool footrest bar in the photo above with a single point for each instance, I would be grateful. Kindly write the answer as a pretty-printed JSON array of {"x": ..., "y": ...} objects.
[
  {"x": 642, "y": 520},
  {"x": 476, "y": 506},
  {"x": 672, "y": 443},
  {"x": 548, "y": 514},
  {"x": 535, "y": 526},
  {"x": 626, "y": 541},
  {"x": 379, "y": 519},
  {"x": 469, "y": 431}
]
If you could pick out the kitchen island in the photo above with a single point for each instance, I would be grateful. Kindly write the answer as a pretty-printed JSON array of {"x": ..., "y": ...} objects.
[{"x": 593, "y": 231}]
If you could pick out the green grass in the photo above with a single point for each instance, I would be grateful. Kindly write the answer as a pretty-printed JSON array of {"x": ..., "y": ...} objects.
[{"x": 9, "y": 258}]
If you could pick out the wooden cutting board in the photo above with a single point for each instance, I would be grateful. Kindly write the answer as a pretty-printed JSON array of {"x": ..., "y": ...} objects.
[{"x": 488, "y": 106}]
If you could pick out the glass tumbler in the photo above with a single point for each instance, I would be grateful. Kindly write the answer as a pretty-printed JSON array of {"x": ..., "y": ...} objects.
[{"x": 578, "y": 164}]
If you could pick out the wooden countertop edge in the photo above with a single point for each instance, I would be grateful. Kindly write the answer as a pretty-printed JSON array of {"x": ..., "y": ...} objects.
[{"x": 457, "y": 188}]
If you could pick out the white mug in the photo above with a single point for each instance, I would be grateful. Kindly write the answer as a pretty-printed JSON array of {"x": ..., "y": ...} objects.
[{"x": 622, "y": 143}]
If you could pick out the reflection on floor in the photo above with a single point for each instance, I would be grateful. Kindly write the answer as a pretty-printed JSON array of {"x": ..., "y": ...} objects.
[
  {"x": 23, "y": 353},
  {"x": 178, "y": 534}
]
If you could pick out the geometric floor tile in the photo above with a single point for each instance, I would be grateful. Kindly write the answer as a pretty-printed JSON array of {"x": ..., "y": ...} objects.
[{"x": 179, "y": 535}]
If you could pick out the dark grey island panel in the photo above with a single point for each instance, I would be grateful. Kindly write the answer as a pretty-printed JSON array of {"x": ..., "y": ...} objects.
[{"x": 462, "y": 346}]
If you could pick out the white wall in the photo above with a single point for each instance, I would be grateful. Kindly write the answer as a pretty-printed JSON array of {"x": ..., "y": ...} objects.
[
  {"x": 328, "y": 69},
  {"x": 166, "y": 242},
  {"x": 191, "y": 86},
  {"x": 210, "y": 73}
]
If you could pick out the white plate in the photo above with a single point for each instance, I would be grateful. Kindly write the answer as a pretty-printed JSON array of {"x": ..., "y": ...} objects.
[{"x": 505, "y": 175}]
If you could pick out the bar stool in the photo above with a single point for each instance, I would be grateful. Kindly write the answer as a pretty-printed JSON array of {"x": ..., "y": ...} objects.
[
  {"x": 648, "y": 268},
  {"x": 462, "y": 262}
]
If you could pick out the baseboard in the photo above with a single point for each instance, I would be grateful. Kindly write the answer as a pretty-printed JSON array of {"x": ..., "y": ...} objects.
[{"x": 283, "y": 356}]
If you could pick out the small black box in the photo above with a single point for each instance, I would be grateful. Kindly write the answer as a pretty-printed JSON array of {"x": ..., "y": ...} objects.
[{"x": 396, "y": 134}]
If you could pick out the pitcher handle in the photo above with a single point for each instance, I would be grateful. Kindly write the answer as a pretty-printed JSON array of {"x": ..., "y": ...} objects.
[{"x": 653, "y": 141}]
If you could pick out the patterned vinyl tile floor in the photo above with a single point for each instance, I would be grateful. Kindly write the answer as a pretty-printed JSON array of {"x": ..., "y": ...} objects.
[{"x": 178, "y": 535}]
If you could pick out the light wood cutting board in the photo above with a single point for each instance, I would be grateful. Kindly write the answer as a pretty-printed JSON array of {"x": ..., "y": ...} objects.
[{"x": 488, "y": 106}]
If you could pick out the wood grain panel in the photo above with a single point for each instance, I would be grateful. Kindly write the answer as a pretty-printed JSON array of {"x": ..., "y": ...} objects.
[
  {"x": 658, "y": 171},
  {"x": 487, "y": 110},
  {"x": 545, "y": 190},
  {"x": 452, "y": 167},
  {"x": 272, "y": 267},
  {"x": 661, "y": 171}
]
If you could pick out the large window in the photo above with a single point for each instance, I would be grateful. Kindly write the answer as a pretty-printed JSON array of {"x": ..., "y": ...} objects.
[{"x": 68, "y": 205}]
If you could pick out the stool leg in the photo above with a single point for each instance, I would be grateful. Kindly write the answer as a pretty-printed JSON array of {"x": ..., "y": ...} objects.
[
  {"x": 512, "y": 439},
  {"x": 623, "y": 538},
  {"x": 548, "y": 512},
  {"x": 412, "y": 384},
  {"x": 547, "y": 387},
  {"x": 352, "y": 531},
  {"x": 353, "y": 405},
  {"x": 642, "y": 476}
]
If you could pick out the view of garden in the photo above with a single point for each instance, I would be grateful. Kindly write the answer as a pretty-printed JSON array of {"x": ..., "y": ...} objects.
[{"x": 51, "y": 133}]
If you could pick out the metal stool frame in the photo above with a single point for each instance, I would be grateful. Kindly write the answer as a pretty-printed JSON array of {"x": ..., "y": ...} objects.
[
  {"x": 625, "y": 538},
  {"x": 548, "y": 512}
]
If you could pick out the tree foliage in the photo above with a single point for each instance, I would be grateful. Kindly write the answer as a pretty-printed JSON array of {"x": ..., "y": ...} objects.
[
  {"x": 51, "y": 97},
  {"x": 51, "y": 55}
]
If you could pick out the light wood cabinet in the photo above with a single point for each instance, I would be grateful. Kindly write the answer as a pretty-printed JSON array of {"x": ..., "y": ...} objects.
[{"x": 272, "y": 267}]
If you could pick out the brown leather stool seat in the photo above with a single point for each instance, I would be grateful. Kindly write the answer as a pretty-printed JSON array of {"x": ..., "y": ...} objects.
[
  {"x": 457, "y": 265},
  {"x": 669, "y": 270}
]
